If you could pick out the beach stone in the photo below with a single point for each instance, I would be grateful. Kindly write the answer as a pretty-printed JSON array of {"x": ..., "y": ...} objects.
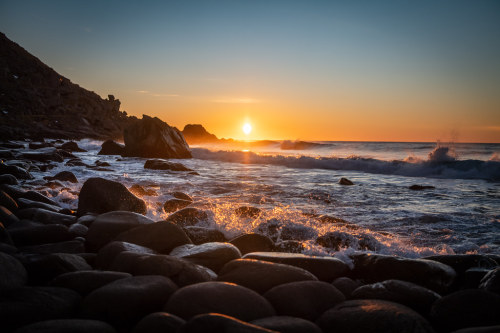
[
  {"x": 472, "y": 277},
  {"x": 338, "y": 239},
  {"x": 421, "y": 187},
  {"x": 42, "y": 268},
  {"x": 12, "y": 273},
  {"x": 482, "y": 329},
  {"x": 262, "y": 275},
  {"x": 247, "y": 212},
  {"x": 39, "y": 145},
  {"x": 200, "y": 235},
  {"x": 7, "y": 218},
  {"x": 71, "y": 246},
  {"x": 4, "y": 236},
  {"x": 141, "y": 191},
  {"x": 159, "y": 322},
  {"x": 151, "y": 137},
  {"x": 175, "y": 204},
  {"x": 219, "y": 297},
  {"x": 372, "y": 316},
  {"x": 161, "y": 236},
  {"x": 324, "y": 268},
  {"x": 217, "y": 323},
  {"x": 187, "y": 217},
  {"x": 109, "y": 147},
  {"x": 43, "y": 155},
  {"x": 7, "y": 201},
  {"x": 36, "y": 196},
  {"x": 180, "y": 271},
  {"x": 84, "y": 282},
  {"x": 14, "y": 191},
  {"x": 466, "y": 308},
  {"x": 304, "y": 299},
  {"x": 182, "y": 196},
  {"x": 8, "y": 179},
  {"x": 68, "y": 325},
  {"x": 106, "y": 227},
  {"x": 413, "y": 296},
  {"x": 27, "y": 305},
  {"x": 346, "y": 285},
  {"x": 213, "y": 255},
  {"x": 99, "y": 195},
  {"x": 78, "y": 230},
  {"x": 287, "y": 324},
  {"x": 427, "y": 273},
  {"x": 253, "y": 242},
  {"x": 64, "y": 176},
  {"x": 14, "y": 171},
  {"x": 345, "y": 181},
  {"x": 108, "y": 253},
  {"x": 125, "y": 301},
  {"x": 87, "y": 219},
  {"x": 158, "y": 164},
  {"x": 72, "y": 146},
  {"x": 26, "y": 203},
  {"x": 491, "y": 281},
  {"x": 289, "y": 246},
  {"x": 46, "y": 216}
]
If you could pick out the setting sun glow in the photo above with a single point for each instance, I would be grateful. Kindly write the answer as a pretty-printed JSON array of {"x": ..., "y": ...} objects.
[{"x": 247, "y": 128}]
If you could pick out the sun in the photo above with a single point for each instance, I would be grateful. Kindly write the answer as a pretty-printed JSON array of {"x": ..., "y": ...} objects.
[{"x": 247, "y": 128}]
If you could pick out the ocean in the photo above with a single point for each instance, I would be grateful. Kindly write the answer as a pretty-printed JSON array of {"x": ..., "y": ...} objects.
[{"x": 296, "y": 187}]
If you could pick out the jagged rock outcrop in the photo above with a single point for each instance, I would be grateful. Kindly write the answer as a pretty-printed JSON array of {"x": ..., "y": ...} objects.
[
  {"x": 195, "y": 133},
  {"x": 36, "y": 102}
]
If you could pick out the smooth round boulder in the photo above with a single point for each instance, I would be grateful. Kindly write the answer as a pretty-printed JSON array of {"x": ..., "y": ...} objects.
[
  {"x": 25, "y": 203},
  {"x": 36, "y": 196},
  {"x": 106, "y": 227},
  {"x": 12, "y": 273},
  {"x": 212, "y": 255},
  {"x": 108, "y": 253},
  {"x": 345, "y": 181},
  {"x": 78, "y": 230},
  {"x": 413, "y": 296},
  {"x": 42, "y": 268},
  {"x": 219, "y": 297},
  {"x": 7, "y": 201},
  {"x": 247, "y": 212},
  {"x": 64, "y": 176},
  {"x": 200, "y": 235},
  {"x": 262, "y": 275},
  {"x": 40, "y": 234},
  {"x": 84, "y": 282},
  {"x": 187, "y": 217},
  {"x": 287, "y": 324},
  {"x": 253, "y": 242},
  {"x": 68, "y": 325},
  {"x": 182, "y": 196},
  {"x": 8, "y": 179},
  {"x": 372, "y": 316},
  {"x": 72, "y": 246},
  {"x": 159, "y": 322},
  {"x": 304, "y": 299},
  {"x": 109, "y": 147},
  {"x": 217, "y": 323},
  {"x": 161, "y": 236},
  {"x": 48, "y": 217},
  {"x": 346, "y": 285},
  {"x": 125, "y": 301},
  {"x": 99, "y": 195},
  {"x": 466, "y": 308},
  {"x": 7, "y": 218},
  {"x": 175, "y": 204},
  {"x": 158, "y": 164},
  {"x": 491, "y": 281},
  {"x": 324, "y": 268}
]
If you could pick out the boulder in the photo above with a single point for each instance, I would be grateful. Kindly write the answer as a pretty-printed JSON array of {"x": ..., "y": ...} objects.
[
  {"x": 68, "y": 325},
  {"x": 7, "y": 201},
  {"x": 7, "y": 218},
  {"x": 125, "y": 301},
  {"x": 36, "y": 196},
  {"x": 108, "y": 253},
  {"x": 26, "y": 203},
  {"x": 247, "y": 212},
  {"x": 84, "y": 282},
  {"x": 200, "y": 235},
  {"x": 158, "y": 164},
  {"x": 345, "y": 181},
  {"x": 421, "y": 187},
  {"x": 213, "y": 255},
  {"x": 159, "y": 322},
  {"x": 7, "y": 178},
  {"x": 372, "y": 316},
  {"x": 28, "y": 305},
  {"x": 187, "y": 217},
  {"x": 324, "y": 268},
  {"x": 78, "y": 230},
  {"x": 151, "y": 137},
  {"x": 99, "y": 195},
  {"x": 218, "y": 297},
  {"x": 182, "y": 196},
  {"x": 304, "y": 299},
  {"x": 12, "y": 273},
  {"x": 64, "y": 176},
  {"x": 13, "y": 171},
  {"x": 289, "y": 246},
  {"x": 109, "y": 147},
  {"x": 491, "y": 281},
  {"x": 253, "y": 243},
  {"x": 217, "y": 323},
  {"x": 262, "y": 275},
  {"x": 106, "y": 227},
  {"x": 71, "y": 246},
  {"x": 346, "y": 285},
  {"x": 141, "y": 191},
  {"x": 466, "y": 308},
  {"x": 43, "y": 155},
  {"x": 339, "y": 239},
  {"x": 40, "y": 234},
  {"x": 42, "y": 268},
  {"x": 413, "y": 296},
  {"x": 161, "y": 236},
  {"x": 174, "y": 204},
  {"x": 427, "y": 273},
  {"x": 286, "y": 324},
  {"x": 72, "y": 147},
  {"x": 46, "y": 216}
]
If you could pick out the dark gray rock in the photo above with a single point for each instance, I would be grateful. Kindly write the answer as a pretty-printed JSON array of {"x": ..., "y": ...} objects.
[
  {"x": 12, "y": 273},
  {"x": 219, "y": 297},
  {"x": 159, "y": 322},
  {"x": 14, "y": 171},
  {"x": 7, "y": 218},
  {"x": 247, "y": 212},
  {"x": 161, "y": 236},
  {"x": 99, "y": 195},
  {"x": 253, "y": 243},
  {"x": 212, "y": 255},
  {"x": 43, "y": 155},
  {"x": 491, "y": 281},
  {"x": 35, "y": 196},
  {"x": 182, "y": 196},
  {"x": 339, "y": 239},
  {"x": 26, "y": 203},
  {"x": 346, "y": 285},
  {"x": 84, "y": 282},
  {"x": 287, "y": 324},
  {"x": 7, "y": 201},
  {"x": 217, "y": 323},
  {"x": 71, "y": 246},
  {"x": 345, "y": 181},
  {"x": 200, "y": 235},
  {"x": 125, "y": 301},
  {"x": 72, "y": 147},
  {"x": 324, "y": 268},
  {"x": 482, "y": 329},
  {"x": 158, "y": 164},
  {"x": 188, "y": 217},
  {"x": 42, "y": 268},
  {"x": 304, "y": 299},
  {"x": 141, "y": 191},
  {"x": 64, "y": 176},
  {"x": 108, "y": 253},
  {"x": 289, "y": 246},
  {"x": 367, "y": 316},
  {"x": 68, "y": 325},
  {"x": 262, "y": 275},
  {"x": 78, "y": 230},
  {"x": 8, "y": 179},
  {"x": 109, "y": 147},
  {"x": 175, "y": 204},
  {"x": 106, "y": 227},
  {"x": 46, "y": 216}
]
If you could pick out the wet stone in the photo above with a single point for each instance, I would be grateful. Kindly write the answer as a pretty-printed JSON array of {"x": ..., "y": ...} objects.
[
  {"x": 84, "y": 282},
  {"x": 253, "y": 243},
  {"x": 68, "y": 325},
  {"x": 200, "y": 235},
  {"x": 159, "y": 322},
  {"x": 212, "y": 255},
  {"x": 287, "y": 324}
]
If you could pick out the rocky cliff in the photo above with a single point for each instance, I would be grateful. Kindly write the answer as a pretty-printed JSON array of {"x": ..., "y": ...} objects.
[{"x": 195, "y": 134}]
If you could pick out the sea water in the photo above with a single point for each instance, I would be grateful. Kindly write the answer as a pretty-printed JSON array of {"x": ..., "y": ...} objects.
[{"x": 295, "y": 187}]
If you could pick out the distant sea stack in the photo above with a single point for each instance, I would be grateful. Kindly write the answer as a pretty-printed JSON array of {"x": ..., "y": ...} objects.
[
  {"x": 195, "y": 134},
  {"x": 36, "y": 102}
]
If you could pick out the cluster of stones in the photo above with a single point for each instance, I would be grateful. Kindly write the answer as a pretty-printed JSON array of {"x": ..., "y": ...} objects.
[{"x": 107, "y": 268}]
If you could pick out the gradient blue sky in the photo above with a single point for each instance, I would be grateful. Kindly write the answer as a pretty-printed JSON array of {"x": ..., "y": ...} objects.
[{"x": 324, "y": 70}]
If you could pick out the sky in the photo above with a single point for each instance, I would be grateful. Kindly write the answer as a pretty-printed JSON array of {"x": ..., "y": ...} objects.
[{"x": 301, "y": 70}]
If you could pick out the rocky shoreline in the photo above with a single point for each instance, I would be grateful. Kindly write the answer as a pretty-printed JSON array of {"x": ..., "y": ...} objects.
[{"x": 105, "y": 267}]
